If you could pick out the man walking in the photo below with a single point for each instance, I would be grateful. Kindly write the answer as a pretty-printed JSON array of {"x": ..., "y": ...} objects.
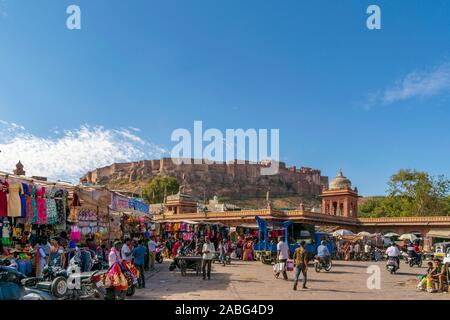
[
  {"x": 139, "y": 258},
  {"x": 301, "y": 264},
  {"x": 152, "y": 252},
  {"x": 126, "y": 252},
  {"x": 282, "y": 255},
  {"x": 208, "y": 252}
]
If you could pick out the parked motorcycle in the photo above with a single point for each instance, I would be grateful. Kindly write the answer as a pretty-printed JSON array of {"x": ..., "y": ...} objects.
[
  {"x": 70, "y": 283},
  {"x": 321, "y": 263},
  {"x": 99, "y": 264},
  {"x": 392, "y": 265},
  {"x": 13, "y": 286}
]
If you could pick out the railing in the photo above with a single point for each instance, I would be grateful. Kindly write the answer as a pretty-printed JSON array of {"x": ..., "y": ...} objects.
[
  {"x": 400, "y": 220},
  {"x": 306, "y": 215}
]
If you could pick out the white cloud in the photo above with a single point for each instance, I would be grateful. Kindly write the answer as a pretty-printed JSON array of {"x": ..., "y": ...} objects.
[
  {"x": 70, "y": 154},
  {"x": 417, "y": 84}
]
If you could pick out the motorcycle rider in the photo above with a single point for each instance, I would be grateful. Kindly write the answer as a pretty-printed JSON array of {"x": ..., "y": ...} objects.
[
  {"x": 114, "y": 254},
  {"x": 323, "y": 253},
  {"x": 394, "y": 253}
]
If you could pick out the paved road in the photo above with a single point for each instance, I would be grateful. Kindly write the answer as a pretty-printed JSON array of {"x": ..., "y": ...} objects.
[{"x": 254, "y": 280}]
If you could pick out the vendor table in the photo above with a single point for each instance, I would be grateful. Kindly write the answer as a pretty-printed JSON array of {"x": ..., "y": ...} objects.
[{"x": 184, "y": 260}]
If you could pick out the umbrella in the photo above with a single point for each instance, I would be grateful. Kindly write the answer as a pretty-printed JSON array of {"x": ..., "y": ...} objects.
[
  {"x": 364, "y": 234},
  {"x": 408, "y": 236},
  {"x": 391, "y": 235},
  {"x": 342, "y": 232}
]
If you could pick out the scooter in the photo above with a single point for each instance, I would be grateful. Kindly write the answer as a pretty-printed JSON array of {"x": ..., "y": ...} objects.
[
  {"x": 13, "y": 286},
  {"x": 392, "y": 265}
]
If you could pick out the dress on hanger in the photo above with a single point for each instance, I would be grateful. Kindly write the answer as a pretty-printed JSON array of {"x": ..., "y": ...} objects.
[
  {"x": 34, "y": 205},
  {"x": 52, "y": 213},
  {"x": 29, "y": 214},
  {"x": 14, "y": 202},
  {"x": 60, "y": 199},
  {"x": 3, "y": 198},
  {"x": 41, "y": 205}
]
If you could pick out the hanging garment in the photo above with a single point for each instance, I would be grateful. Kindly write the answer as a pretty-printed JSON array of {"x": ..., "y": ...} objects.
[
  {"x": 6, "y": 233},
  {"x": 75, "y": 233},
  {"x": 3, "y": 198},
  {"x": 61, "y": 198},
  {"x": 76, "y": 200},
  {"x": 14, "y": 202},
  {"x": 34, "y": 205},
  {"x": 41, "y": 205},
  {"x": 50, "y": 203},
  {"x": 29, "y": 214},
  {"x": 23, "y": 202}
]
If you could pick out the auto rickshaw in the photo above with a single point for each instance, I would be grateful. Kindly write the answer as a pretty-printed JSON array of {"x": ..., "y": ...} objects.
[{"x": 441, "y": 250}]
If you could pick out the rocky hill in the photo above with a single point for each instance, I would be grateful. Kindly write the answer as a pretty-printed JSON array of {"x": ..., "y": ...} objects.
[{"x": 227, "y": 180}]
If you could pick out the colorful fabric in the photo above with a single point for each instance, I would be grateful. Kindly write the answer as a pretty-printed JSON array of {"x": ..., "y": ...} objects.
[
  {"x": 61, "y": 199},
  {"x": 41, "y": 205},
  {"x": 28, "y": 208},
  {"x": 34, "y": 205},
  {"x": 52, "y": 213},
  {"x": 14, "y": 202},
  {"x": 3, "y": 198}
]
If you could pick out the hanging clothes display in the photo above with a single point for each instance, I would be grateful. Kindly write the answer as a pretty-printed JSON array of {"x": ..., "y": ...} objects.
[
  {"x": 50, "y": 203},
  {"x": 41, "y": 205},
  {"x": 6, "y": 233},
  {"x": 27, "y": 209},
  {"x": 3, "y": 198},
  {"x": 14, "y": 202},
  {"x": 34, "y": 205},
  {"x": 61, "y": 199}
]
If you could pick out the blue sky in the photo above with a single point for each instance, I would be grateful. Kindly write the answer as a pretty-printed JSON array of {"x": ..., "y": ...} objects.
[{"x": 371, "y": 102}]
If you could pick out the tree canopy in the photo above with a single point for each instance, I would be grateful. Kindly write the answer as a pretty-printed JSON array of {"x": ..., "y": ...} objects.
[
  {"x": 410, "y": 193},
  {"x": 156, "y": 189}
]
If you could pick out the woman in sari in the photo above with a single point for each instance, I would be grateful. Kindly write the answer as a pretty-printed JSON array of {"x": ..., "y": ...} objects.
[
  {"x": 347, "y": 251},
  {"x": 41, "y": 258},
  {"x": 239, "y": 246},
  {"x": 248, "y": 252}
]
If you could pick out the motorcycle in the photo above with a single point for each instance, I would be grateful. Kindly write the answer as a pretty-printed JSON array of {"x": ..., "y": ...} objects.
[
  {"x": 99, "y": 264},
  {"x": 415, "y": 260},
  {"x": 69, "y": 283},
  {"x": 14, "y": 286},
  {"x": 158, "y": 255},
  {"x": 109, "y": 293},
  {"x": 392, "y": 265},
  {"x": 321, "y": 263}
]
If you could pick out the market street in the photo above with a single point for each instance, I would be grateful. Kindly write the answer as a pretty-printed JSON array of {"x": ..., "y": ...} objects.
[{"x": 254, "y": 280}]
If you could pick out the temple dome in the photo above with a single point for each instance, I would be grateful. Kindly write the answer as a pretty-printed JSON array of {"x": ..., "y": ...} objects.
[{"x": 340, "y": 182}]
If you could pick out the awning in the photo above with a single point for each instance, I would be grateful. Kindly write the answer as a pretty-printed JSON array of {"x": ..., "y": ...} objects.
[
  {"x": 439, "y": 233},
  {"x": 248, "y": 225}
]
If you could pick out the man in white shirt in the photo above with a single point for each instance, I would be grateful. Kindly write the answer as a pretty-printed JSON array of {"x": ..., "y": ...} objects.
[
  {"x": 393, "y": 252},
  {"x": 152, "y": 252},
  {"x": 126, "y": 252},
  {"x": 208, "y": 254},
  {"x": 367, "y": 251},
  {"x": 114, "y": 254},
  {"x": 283, "y": 255}
]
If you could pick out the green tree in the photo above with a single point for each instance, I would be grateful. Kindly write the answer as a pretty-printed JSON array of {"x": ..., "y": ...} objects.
[
  {"x": 410, "y": 193},
  {"x": 419, "y": 193},
  {"x": 156, "y": 189}
]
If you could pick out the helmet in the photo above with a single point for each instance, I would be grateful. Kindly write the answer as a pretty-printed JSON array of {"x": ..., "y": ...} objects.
[{"x": 323, "y": 242}]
